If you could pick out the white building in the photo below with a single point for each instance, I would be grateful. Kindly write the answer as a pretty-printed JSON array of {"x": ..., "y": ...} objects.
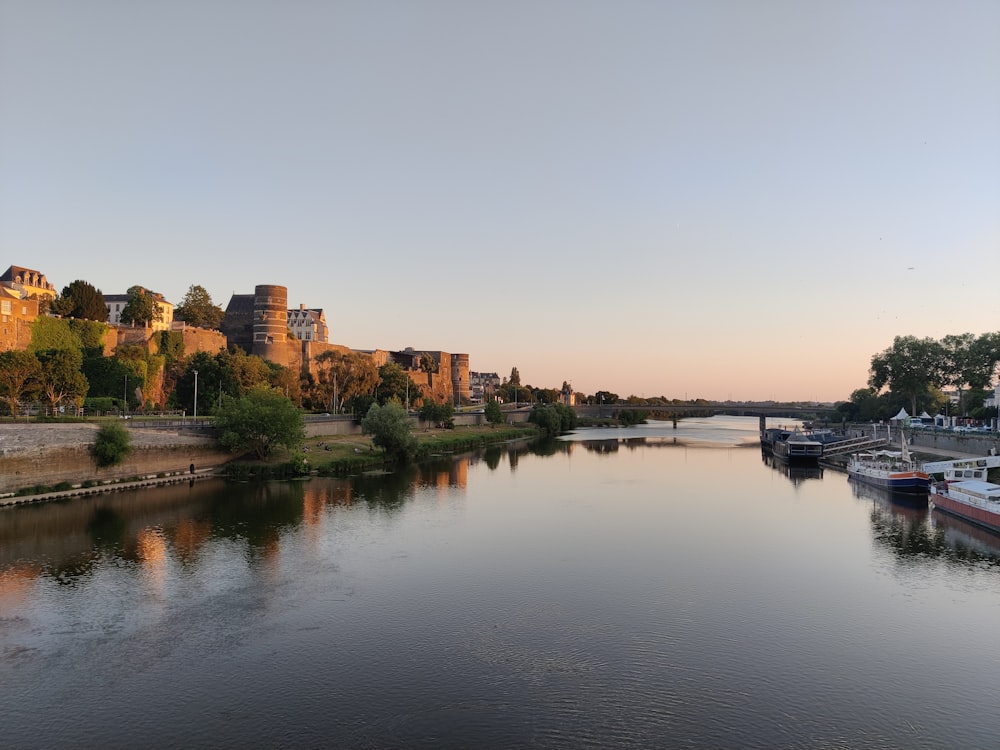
[
  {"x": 308, "y": 324},
  {"x": 116, "y": 303}
]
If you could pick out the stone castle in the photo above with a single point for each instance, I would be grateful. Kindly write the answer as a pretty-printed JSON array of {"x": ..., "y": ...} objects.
[{"x": 260, "y": 323}]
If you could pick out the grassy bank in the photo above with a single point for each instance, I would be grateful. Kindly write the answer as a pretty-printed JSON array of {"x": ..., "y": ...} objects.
[{"x": 344, "y": 455}]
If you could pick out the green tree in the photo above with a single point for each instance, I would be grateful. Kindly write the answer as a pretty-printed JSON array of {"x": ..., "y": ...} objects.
[
  {"x": 20, "y": 378},
  {"x": 548, "y": 419},
  {"x": 441, "y": 414},
  {"x": 910, "y": 367},
  {"x": 80, "y": 299},
  {"x": 62, "y": 381},
  {"x": 390, "y": 429},
  {"x": 342, "y": 377},
  {"x": 493, "y": 413},
  {"x": 260, "y": 421},
  {"x": 112, "y": 445},
  {"x": 515, "y": 377},
  {"x": 141, "y": 309},
  {"x": 197, "y": 309},
  {"x": 52, "y": 333},
  {"x": 395, "y": 383},
  {"x": 427, "y": 363}
]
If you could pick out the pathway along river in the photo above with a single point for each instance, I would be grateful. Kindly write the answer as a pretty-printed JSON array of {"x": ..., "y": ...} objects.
[{"x": 635, "y": 588}]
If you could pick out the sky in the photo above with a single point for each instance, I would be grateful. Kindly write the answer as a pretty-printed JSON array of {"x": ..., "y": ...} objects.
[{"x": 722, "y": 199}]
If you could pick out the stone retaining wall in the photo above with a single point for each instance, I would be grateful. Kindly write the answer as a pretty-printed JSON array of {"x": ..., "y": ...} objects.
[{"x": 75, "y": 465}]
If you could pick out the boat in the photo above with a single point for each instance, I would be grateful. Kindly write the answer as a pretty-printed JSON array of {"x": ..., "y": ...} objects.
[
  {"x": 793, "y": 447},
  {"x": 893, "y": 470},
  {"x": 973, "y": 500}
]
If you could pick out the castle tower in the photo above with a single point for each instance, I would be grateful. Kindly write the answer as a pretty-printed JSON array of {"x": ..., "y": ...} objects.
[
  {"x": 460, "y": 384},
  {"x": 270, "y": 322}
]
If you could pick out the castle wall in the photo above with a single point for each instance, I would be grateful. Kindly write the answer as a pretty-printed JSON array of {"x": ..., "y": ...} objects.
[{"x": 15, "y": 322}]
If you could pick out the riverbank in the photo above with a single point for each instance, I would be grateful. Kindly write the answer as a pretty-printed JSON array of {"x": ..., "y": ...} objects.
[
  {"x": 343, "y": 455},
  {"x": 44, "y": 462}
]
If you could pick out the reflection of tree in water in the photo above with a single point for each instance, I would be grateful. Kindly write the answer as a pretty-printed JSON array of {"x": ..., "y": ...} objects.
[
  {"x": 548, "y": 447},
  {"x": 256, "y": 512},
  {"x": 386, "y": 492},
  {"x": 107, "y": 528},
  {"x": 600, "y": 447},
  {"x": 906, "y": 532},
  {"x": 492, "y": 456}
]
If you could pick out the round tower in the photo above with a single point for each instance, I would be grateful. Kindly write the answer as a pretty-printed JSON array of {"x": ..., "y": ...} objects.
[{"x": 270, "y": 322}]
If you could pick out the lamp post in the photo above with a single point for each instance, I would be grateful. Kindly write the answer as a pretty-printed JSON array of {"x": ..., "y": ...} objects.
[
  {"x": 195, "y": 394},
  {"x": 125, "y": 401}
]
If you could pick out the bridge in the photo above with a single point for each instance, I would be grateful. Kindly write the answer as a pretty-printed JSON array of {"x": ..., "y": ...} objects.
[{"x": 671, "y": 411}]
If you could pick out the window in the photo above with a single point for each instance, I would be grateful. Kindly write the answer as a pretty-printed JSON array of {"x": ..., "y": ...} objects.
[{"x": 5, "y": 307}]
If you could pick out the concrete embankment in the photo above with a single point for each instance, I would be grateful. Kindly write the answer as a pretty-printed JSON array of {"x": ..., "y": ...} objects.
[{"x": 51, "y": 454}]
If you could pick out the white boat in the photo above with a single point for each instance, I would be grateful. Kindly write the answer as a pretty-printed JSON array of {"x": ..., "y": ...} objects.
[
  {"x": 893, "y": 470},
  {"x": 974, "y": 500}
]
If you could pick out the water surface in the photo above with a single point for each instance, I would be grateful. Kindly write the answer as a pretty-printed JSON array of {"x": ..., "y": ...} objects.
[{"x": 647, "y": 587}]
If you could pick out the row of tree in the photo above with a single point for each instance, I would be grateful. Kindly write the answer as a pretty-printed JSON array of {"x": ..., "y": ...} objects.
[
  {"x": 82, "y": 300},
  {"x": 65, "y": 367},
  {"x": 913, "y": 371}
]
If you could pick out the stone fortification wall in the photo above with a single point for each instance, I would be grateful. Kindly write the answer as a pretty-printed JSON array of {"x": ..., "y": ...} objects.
[
  {"x": 195, "y": 339},
  {"x": 312, "y": 349},
  {"x": 201, "y": 340},
  {"x": 49, "y": 454}
]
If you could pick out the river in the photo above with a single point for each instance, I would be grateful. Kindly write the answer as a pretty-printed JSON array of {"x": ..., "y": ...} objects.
[{"x": 643, "y": 587}]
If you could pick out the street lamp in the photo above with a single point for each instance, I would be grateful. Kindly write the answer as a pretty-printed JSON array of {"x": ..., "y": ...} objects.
[
  {"x": 195, "y": 394},
  {"x": 125, "y": 401}
]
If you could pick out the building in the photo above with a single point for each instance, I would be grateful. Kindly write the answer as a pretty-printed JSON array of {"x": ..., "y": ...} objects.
[
  {"x": 28, "y": 284},
  {"x": 483, "y": 385},
  {"x": 16, "y": 316},
  {"x": 116, "y": 303},
  {"x": 308, "y": 324},
  {"x": 442, "y": 376}
]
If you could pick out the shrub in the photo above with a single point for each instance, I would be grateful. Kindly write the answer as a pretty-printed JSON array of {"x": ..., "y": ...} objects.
[{"x": 112, "y": 446}]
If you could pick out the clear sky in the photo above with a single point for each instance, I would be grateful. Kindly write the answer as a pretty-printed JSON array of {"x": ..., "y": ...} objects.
[{"x": 727, "y": 199}]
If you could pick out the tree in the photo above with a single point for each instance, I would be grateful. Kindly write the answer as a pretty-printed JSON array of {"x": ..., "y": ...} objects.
[
  {"x": 910, "y": 367},
  {"x": 440, "y": 413},
  {"x": 20, "y": 378},
  {"x": 197, "y": 308},
  {"x": 62, "y": 380},
  {"x": 547, "y": 418},
  {"x": 260, "y": 421},
  {"x": 112, "y": 446},
  {"x": 141, "y": 308},
  {"x": 395, "y": 383},
  {"x": 390, "y": 429},
  {"x": 493, "y": 413},
  {"x": 344, "y": 376},
  {"x": 81, "y": 299},
  {"x": 428, "y": 363},
  {"x": 515, "y": 377}
]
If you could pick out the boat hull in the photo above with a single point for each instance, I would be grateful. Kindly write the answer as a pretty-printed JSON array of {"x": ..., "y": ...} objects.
[
  {"x": 897, "y": 481},
  {"x": 985, "y": 517}
]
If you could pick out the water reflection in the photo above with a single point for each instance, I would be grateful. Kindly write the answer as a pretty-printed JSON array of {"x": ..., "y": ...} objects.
[
  {"x": 660, "y": 598},
  {"x": 795, "y": 474},
  {"x": 902, "y": 523}
]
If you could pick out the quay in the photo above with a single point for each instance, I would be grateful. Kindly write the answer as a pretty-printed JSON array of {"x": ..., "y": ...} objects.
[{"x": 179, "y": 477}]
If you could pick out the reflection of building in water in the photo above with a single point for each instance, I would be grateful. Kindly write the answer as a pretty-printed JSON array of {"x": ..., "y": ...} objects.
[
  {"x": 151, "y": 551},
  {"x": 16, "y": 583},
  {"x": 189, "y": 536},
  {"x": 442, "y": 478}
]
